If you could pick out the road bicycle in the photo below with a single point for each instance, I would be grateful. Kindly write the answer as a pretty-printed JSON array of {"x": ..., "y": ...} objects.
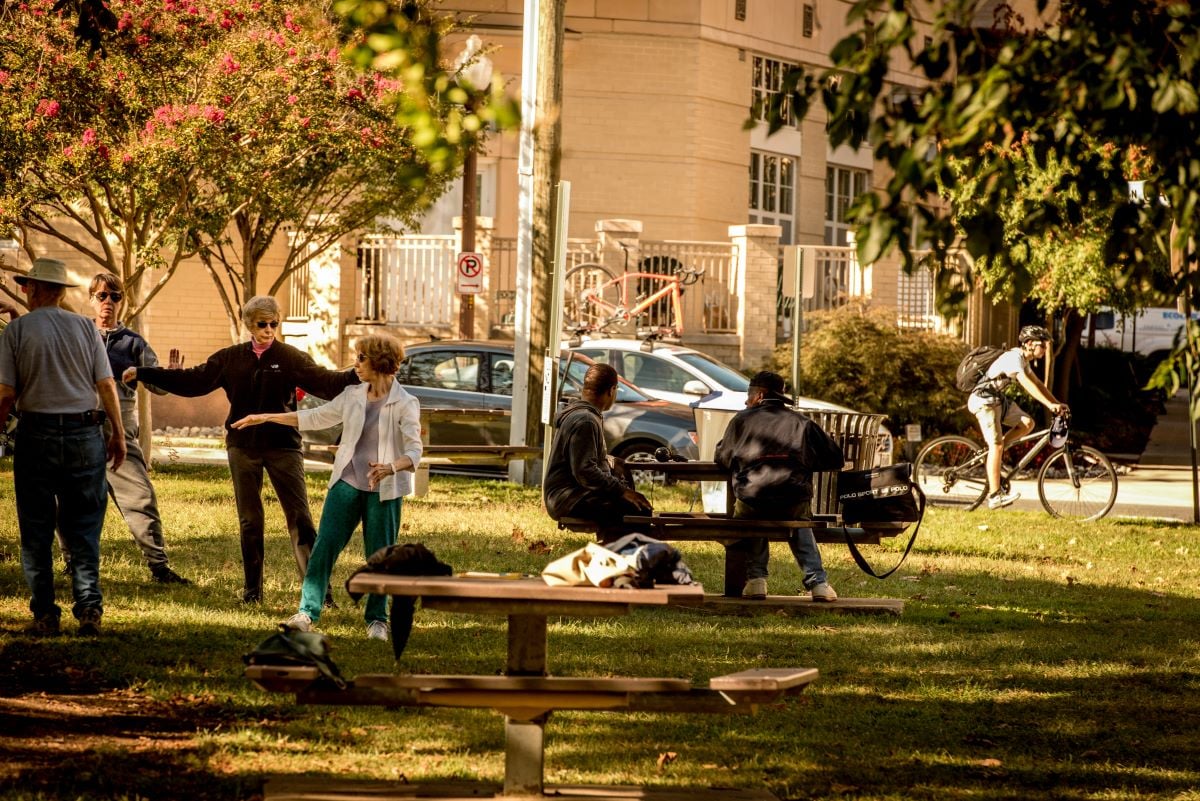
[
  {"x": 1074, "y": 481},
  {"x": 596, "y": 300}
]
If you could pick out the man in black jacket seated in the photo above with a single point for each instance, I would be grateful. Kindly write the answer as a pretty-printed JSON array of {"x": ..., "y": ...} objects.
[
  {"x": 259, "y": 376},
  {"x": 771, "y": 452},
  {"x": 580, "y": 482}
]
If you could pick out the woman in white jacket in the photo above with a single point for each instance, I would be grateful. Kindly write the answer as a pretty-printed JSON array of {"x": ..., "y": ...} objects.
[{"x": 380, "y": 449}]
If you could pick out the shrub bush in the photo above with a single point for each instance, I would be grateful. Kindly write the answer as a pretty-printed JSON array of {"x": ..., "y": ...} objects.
[{"x": 857, "y": 357}]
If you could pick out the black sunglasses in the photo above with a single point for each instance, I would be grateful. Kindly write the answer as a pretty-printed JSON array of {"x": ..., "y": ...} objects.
[
  {"x": 360, "y": 358},
  {"x": 117, "y": 297},
  {"x": 267, "y": 324}
]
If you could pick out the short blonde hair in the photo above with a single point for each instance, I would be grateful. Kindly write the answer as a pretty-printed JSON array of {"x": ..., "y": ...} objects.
[
  {"x": 260, "y": 306},
  {"x": 383, "y": 351},
  {"x": 106, "y": 281}
]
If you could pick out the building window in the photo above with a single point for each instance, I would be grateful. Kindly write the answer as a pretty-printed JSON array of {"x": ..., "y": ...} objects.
[
  {"x": 739, "y": 10},
  {"x": 768, "y": 77},
  {"x": 842, "y": 186},
  {"x": 809, "y": 14},
  {"x": 773, "y": 191}
]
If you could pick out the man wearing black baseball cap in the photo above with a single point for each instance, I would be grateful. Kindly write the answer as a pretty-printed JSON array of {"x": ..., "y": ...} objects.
[
  {"x": 57, "y": 361},
  {"x": 771, "y": 452}
]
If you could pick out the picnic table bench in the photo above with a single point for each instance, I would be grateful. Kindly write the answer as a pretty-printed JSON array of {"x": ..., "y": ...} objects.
[
  {"x": 525, "y": 694},
  {"x": 721, "y": 527}
]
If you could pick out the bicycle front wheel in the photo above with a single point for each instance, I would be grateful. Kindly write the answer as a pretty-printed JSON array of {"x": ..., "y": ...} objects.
[
  {"x": 1078, "y": 484},
  {"x": 952, "y": 471},
  {"x": 590, "y": 297}
]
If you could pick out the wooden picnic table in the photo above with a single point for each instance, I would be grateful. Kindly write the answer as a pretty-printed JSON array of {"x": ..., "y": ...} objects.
[
  {"x": 524, "y": 693},
  {"x": 721, "y": 527}
]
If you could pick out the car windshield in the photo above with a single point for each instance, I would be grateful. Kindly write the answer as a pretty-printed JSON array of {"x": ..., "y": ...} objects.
[
  {"x": 724, "y": 375},
  {"x": 626, "y": 392}
]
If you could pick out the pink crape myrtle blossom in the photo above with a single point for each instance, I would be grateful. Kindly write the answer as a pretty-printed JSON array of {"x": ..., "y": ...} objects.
[{"x": 48, "y": 108}]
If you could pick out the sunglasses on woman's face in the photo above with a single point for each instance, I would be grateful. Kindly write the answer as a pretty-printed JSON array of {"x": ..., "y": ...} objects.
[
  {"x": 116, "y": 297},
  {"x": 267, "y": 323},
  {"x": 360, "y": 358}
]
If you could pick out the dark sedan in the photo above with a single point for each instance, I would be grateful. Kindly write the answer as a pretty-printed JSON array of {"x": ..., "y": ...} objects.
[{"x": 476, "y": 378}]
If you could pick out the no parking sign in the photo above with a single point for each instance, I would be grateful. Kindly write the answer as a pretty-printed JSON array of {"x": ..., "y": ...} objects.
[{"x": 470, "y": 274}]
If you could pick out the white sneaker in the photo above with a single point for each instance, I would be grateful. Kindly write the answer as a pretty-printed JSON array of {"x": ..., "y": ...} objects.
[
  {"x": 1001, "y": 498},
  {"x": 299, "y": 622},
  {"x": 755, "y": 589},
  {"x": 823, "y": 592},
  {"x": 377, "y": 630}
]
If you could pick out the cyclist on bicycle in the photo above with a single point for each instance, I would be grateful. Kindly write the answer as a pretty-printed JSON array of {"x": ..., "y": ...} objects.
[{"x": 993, "y": 409}]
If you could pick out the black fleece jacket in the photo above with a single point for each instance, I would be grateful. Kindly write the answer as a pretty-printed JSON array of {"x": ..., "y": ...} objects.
[
  {"x": 772, "y": 451},
  {"x": 254, "y": 385},
  {"x": 578, "y": 460}
]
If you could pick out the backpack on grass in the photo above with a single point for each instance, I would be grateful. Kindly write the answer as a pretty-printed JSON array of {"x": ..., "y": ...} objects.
[{"x": 974, "y": 366}]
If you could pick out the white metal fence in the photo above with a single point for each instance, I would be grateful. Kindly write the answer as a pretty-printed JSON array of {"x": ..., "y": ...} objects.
[
  {"x": 406, "y": 280},
  {"x": 710, "y": 305},
  {"x": 502, "y": 269}
]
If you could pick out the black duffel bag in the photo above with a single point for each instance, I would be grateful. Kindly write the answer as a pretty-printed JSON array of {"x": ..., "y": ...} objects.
[{"x": 880, "y": 495}]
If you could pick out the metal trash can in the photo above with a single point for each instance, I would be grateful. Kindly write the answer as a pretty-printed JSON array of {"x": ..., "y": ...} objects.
[
  {"x": 710, "y": 427},
  {"x": 859, "y": 436}
]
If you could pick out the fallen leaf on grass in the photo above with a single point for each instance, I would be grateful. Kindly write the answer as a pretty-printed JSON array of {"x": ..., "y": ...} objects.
[
  {"x": 666, "y": 758},
  {"x": 518, "y": 534},
  {"x": 954, "y": 614},
  {"x": 983, "y": 527},
  {"x": 920, "y": 596},
  {"x": 989, "y": 763},
  {"x": 843, "y": 788},
  {"x": 539, "y": 547}
]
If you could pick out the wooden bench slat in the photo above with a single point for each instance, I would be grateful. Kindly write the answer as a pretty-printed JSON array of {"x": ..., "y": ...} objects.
[
  {"x": 289, "y": 679},
  {"x": 523, "y": 683},
  {"x": 763, "y": 679}
]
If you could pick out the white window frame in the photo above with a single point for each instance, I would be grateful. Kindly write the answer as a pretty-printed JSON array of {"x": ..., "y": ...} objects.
[
  {"x": 842, "y": 186},
  {"x": 773, "y": 191}
]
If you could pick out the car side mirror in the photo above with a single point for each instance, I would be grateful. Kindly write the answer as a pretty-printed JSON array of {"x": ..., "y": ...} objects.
[{"x": 696, "y": 387}]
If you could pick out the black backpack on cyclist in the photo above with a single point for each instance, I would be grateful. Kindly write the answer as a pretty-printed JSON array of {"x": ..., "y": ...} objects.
[{"x": 974, "y": 366}]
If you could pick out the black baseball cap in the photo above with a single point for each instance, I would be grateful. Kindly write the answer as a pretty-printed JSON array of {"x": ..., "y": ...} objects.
[{"x": 771, "y": 384}]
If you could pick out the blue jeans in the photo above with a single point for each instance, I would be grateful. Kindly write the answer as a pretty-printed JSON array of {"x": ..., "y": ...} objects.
[
  {"x": 345, "y": 507},
  {"x": 802, "y": 542},
  {"x": 59, "y": 478}
]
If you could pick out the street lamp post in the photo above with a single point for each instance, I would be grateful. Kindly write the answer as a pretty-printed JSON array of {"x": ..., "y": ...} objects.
[{"x": 474, "y": 71}]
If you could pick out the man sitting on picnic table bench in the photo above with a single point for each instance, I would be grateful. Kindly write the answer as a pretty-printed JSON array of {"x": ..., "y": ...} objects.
[
  {"x": 771, "y": 452},
  {"x": 580, "y": 482}
]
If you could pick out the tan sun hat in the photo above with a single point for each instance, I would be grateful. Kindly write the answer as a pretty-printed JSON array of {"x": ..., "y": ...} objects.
[{"x": 48, "y": 271}]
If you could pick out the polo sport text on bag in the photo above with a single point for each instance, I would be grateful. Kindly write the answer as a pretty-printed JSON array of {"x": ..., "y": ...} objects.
[{"x": 974, "y": 366}]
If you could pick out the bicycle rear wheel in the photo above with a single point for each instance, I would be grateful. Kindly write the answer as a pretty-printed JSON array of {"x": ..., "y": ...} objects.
[
  {"x": 589, "y": 297},
  {"x": 1078, "y": 485},
  {"x": 952, "y": 472}
]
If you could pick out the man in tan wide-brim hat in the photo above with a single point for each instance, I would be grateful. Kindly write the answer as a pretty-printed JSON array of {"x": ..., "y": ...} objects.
[{"x": 58, "y": 361}]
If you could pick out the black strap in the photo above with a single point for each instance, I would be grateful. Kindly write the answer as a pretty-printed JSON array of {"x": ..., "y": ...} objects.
[{"x": 861, "y": 561}]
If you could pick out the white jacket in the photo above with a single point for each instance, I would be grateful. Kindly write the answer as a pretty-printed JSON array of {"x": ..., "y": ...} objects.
[{"x": 399, "y": 432}]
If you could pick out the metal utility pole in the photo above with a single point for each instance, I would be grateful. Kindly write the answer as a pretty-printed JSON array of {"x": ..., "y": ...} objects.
[{"x": 538, "y": 174}]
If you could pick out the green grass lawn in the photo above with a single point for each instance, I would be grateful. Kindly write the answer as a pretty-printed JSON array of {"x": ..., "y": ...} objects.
[{"x": 1035, "y": 659}]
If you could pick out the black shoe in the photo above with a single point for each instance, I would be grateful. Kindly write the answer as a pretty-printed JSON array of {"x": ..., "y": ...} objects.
[
  {"x": 165, "y": 575},
  {"x": 45, "y": 626},
  {"x": 251, "y": 597},
  {"x": 89, "y": 622},
  {"x": 329, "y": 602}
]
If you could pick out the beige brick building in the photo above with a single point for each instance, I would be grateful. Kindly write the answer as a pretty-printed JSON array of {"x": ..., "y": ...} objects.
[{"x": 656, "y": 94}]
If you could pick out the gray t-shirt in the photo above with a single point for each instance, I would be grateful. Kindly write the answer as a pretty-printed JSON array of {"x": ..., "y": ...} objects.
[
  {"x": 366, "y": 450},
  {"x": 53, "y": 359}
]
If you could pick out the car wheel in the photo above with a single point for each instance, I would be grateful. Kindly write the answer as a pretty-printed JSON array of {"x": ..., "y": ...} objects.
[{"x": 642, "y": 454}]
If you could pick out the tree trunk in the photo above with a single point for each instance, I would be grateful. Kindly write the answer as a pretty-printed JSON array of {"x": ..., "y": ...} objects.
[
  {"x": 1068, "y": 356},
  {"x": 547, "y": 160}
]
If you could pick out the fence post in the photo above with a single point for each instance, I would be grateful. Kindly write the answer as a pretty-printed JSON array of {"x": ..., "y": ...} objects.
[
  {"x": 484, "y": 226},
  {"x": 756, "y": 278}
]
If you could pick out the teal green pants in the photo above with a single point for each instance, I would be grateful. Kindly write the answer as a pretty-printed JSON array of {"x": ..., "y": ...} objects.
[{"x": 346, "y": 507}]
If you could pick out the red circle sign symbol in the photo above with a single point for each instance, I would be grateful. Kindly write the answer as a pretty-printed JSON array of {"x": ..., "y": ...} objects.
[{"x": 470, "y": 265}]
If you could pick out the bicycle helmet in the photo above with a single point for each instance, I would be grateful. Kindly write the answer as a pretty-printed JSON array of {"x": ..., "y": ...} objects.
[{"x": 1034, "y": 333}]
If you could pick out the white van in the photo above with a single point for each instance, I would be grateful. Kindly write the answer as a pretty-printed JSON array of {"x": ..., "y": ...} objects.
[{"x": 1148, "y": 331}]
